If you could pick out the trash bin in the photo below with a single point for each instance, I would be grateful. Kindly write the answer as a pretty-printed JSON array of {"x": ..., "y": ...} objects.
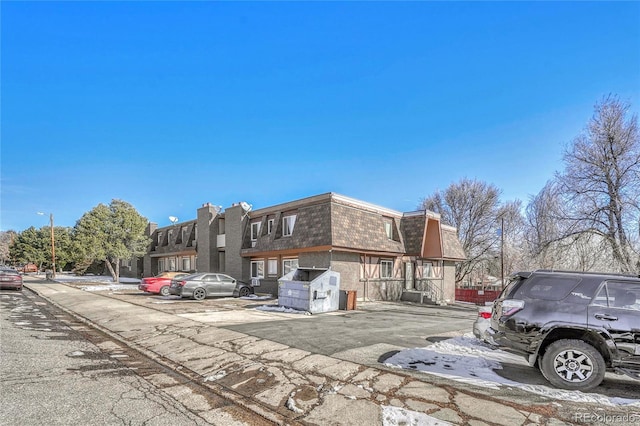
[
  {"x": 310, "y": 289},
  {"x": 351, "y": 300},
  {"x": 348, "y": 300}
]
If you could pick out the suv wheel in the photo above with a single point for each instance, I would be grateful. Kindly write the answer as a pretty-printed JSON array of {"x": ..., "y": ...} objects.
[
  {"x": 199, "y": 293},
  {"x": 573, "y": 364}
]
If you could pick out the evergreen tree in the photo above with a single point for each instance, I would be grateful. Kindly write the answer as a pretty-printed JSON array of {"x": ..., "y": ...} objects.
[{"x": 110, "y": 233}]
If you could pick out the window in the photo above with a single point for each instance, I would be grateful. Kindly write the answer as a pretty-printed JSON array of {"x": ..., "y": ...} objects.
[
  {"x": 185, "y": 234},
  {"x": 272, "y": 267},
  {"x": 186, "y": 263},
  {"x": 270, "y": 226},
  {"x": 618, "y": 295},
  {"x": 386, "y": 269},
  {"x": 172, "y": 264},
  {"x": 549, "y": 288},
  {"x": 257, "y": 269},
  {"x": 221, "y": 228},
  {"x": 427, "y": 270},
  {"x": 159, "y": 237},
  {"x": 170, "y": 236},
  {"x": 125, "y": 263},
  {"x": 388, "y": 228},
  {"x": 161, "y": 265},
  {"x": 288, "y": 222},
  {"x": 255, "y": 231},
  {"x": 289, "y": 265}
]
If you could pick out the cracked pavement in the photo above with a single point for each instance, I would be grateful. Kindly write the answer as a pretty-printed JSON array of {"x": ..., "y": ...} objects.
[
  {"x": 289, "y": 385},
  {"x": 52, "y": 374}
]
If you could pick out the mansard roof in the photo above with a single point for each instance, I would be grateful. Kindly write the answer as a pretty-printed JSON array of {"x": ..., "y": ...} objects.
[{"x": 334, "y": 221}]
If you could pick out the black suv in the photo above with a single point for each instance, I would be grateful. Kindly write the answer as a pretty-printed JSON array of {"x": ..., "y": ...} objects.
[{"x": 572, "y": 325}]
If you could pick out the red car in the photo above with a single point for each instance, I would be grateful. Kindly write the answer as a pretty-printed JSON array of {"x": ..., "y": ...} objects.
[
  {"x": 29, "y": 267},
  {"x": 160, "y": 283},
  {"x": 10, "y": 278}
]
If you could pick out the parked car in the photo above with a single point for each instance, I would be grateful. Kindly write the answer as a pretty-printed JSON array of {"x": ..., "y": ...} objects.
[
  {"x": 572, "y": 325},
  {"x": 160, "y": 283},
  {"x": 201, "y": 285},
  {"x": 10, "y": 278},
  {"x": 482, "y": 322},
  {"x": 29, "y": 267}
]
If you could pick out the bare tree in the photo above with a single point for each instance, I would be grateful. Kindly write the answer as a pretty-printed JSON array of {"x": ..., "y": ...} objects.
[
  {"x": 544, "y": 226},
  {"x": 472, "y": 207},
  {"x": 512, "y": 255},
  {"x": 6, "y": 239},
  {"x": 600, "y": 186}
]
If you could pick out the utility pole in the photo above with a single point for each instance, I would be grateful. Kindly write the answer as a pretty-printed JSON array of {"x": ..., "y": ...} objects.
[
  {"x": 502, "y": 251},
  {"x": 53, "y": 247}
]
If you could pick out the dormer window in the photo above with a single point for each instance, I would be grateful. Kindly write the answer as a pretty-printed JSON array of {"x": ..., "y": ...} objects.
[
  {"x": 159, "y": 238},
  {"x": 388, "y": 228},
  {"x": 270, "y": 226},
  {"x": 288, "y": 222},
  {"x": 255, "y": 231}
]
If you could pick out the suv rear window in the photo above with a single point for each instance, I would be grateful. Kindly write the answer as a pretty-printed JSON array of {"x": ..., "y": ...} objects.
[{"x": 548, "y": 288}]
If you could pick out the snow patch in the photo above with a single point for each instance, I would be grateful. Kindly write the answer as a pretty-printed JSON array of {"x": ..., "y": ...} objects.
[
  {"x": 283, "y": 309},
  {"x": 468, "y": 360},
  {"x": 395, "y": 416}
]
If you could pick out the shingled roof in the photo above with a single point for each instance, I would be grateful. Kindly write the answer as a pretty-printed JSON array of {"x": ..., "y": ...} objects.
[{"x": 332, "y": 220}]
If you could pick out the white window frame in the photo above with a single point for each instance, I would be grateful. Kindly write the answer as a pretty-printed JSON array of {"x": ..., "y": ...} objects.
[
  {"x": 259, "y": 269},
  {"x": 288, "y": 223},
  {"x": 386, "y": 265},
  {"x": 270, "y": 223},
  {"x": 186, "y": 266},
  {"x": 125, "y": 263},
  {"x": 427, "y": 270},
  {"x": 272, "y": 267},
  {"x": 172, "y": 264},
  {"x": 161, "y": 266},
  {"x": 159, "y": 237},
  {"x": 255, "y": 231},
  {"x": 388, "y": 228},
  {"x": 289, "y": 265}
]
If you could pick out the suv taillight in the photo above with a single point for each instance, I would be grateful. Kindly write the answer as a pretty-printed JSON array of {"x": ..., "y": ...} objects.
[
  {"x": 181, "y": 283},
  {"x": 511, "y": 306}
]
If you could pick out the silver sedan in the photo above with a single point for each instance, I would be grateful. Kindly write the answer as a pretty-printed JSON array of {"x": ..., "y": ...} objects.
[{"x": 205, "y": 284}]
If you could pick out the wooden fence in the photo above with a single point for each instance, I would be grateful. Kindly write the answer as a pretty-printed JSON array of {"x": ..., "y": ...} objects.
[{"x": 479, "y": 297}]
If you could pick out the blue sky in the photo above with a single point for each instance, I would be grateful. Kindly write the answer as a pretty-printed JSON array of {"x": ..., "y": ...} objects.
[{"x": 168, "y": 105}]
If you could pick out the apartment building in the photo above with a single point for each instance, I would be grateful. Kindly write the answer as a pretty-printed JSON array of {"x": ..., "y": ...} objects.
[{"x": 380, "y": 253}]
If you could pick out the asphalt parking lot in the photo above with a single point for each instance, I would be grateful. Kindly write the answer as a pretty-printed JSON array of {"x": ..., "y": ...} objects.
[{"x": 365, "y": 334}]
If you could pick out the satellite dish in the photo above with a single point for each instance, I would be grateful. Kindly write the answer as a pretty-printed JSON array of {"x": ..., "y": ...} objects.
[
  {"x": 173, "y": 219},
  {"x": 246, "y": 206}
]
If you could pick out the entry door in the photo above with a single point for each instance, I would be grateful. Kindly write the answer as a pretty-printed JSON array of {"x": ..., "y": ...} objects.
[
  {"x": 616, "y": 308},
  {"x": 408, "y": 274}
]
